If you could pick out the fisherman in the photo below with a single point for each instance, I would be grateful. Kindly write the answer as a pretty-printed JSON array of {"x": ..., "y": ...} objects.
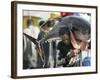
[
  {"x": 44, "y": 30},
  {"x": 64, "y": 46}
]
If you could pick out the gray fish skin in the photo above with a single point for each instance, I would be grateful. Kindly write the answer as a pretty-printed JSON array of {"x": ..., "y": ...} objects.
[{"x": 79, "y": 26}]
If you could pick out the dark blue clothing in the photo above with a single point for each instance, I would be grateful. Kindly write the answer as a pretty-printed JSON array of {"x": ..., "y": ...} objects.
[
  {"x": 45, "y": 48},
  {"x": 86, "y": 61},
  {"x": 64, "y": 49}
]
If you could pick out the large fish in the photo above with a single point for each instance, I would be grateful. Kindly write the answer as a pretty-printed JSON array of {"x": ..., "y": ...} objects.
[{"x": 79, "y": 26}]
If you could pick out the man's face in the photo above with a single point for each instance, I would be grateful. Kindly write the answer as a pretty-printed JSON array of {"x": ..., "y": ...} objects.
[
  {"x": 46, "y": 28},
  {"x": 65, "y": 37}
]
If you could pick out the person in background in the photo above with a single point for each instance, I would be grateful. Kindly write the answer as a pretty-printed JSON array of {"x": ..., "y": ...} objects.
[
  {"x": 44, "y": 30},
  {"x": 29, "y": 48},
  {"x": 31, "y": 30}
]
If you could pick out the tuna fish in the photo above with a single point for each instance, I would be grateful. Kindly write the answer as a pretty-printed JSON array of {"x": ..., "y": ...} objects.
[{"x": 79, "y": 26}]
